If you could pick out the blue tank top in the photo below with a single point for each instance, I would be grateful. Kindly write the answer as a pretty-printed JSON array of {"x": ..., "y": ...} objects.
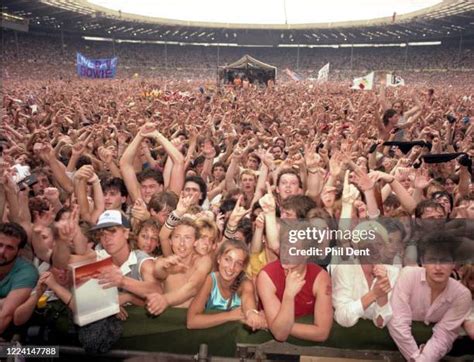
[{"x": 216, "y": 301}]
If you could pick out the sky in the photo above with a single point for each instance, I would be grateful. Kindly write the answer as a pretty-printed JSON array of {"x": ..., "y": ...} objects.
[{"x": 266, "y": 11}]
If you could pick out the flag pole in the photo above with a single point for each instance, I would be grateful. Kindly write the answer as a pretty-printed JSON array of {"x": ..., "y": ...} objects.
[
  {"x": 298, "y": 58},
  {"x": 352, "y": 55},
  {"x": 406, "y": 56}
]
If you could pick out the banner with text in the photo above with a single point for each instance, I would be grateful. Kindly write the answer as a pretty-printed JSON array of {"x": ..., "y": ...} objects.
[{"x": 96, "y": 68}]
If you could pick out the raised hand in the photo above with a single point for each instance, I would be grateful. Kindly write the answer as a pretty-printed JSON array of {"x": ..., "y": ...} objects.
[
  {"x": 237, "y": 153},
  {"x": 379, "y": 175},
  {"x": 45, "y": 152},
  {"x": 69, "y": 227},
  {"x": 78, "y": 149},
  {"x": 336, "y": 163},
  {"x": 86, "y": 173},
  {"x": 312, "y": 159},
  {"x": 267, "y": 202},
  {"x": 148, "y": 130},
  {"x": 402, "y": 173},
  {"x": 349, "y": 192},
  {"x": 185, "y": 202},
  {"x": 177, "y": 143},
  {"x": 405, "y": 162},
  {"x": 422, "y": 179},
  {"x": 298, "y": 160},
  {"x": 44, "y": 219},
  {"x": 6, "y": 180},
  {"x": 105, "y": 155},
  {"x": 238, "y": 213},
  {"x": 140, "y": 210}
]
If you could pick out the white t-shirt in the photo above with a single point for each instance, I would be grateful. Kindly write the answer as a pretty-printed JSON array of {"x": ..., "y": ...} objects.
[{"x": 349, "y": 285}]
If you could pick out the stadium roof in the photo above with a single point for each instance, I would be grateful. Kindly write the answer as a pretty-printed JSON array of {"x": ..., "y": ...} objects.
[
  {"x": 445, "y": 19},
  {"x": 275, "y": 13}
]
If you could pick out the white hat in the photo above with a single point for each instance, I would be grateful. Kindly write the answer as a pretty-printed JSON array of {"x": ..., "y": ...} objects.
[{"x": 111, "y": 218}]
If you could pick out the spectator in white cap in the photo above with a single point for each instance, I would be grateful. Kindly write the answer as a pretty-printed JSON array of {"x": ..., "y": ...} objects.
[{"x": 133, "y": 269}]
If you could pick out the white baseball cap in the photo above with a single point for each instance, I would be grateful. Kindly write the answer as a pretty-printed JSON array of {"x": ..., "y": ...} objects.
[{"x": 111, "y": 218}]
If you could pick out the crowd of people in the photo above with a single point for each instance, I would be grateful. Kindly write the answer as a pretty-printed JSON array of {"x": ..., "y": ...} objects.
[
  {"x": 54, "y": 57},
  {"x": 186, "y": 187}
]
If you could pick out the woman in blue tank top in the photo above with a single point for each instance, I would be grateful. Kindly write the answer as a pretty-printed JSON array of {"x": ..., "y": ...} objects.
[{"x": 228, "y": 291}]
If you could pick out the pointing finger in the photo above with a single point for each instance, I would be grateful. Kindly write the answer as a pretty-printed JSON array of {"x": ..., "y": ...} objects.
[
  {"x": 269, "y": 188},
  {"x": 346, "y": 179}
]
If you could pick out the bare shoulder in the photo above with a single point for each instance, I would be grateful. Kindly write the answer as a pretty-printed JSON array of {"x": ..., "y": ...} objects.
[
  {"x": 202, "y": 263},
  {"x": 322, "y": 283},
  {"x": 247, "y": 285},
  {"x": 264, "y": 282},
  {"x": 147, "y": 266}
]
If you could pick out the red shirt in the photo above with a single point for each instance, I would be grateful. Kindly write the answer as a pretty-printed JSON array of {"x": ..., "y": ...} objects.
[{"x": 305, "y": 299}]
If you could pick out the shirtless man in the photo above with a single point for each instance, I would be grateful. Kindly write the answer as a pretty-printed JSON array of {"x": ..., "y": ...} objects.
[
  {"x": 149, "y": 181},
  {"x": 182, "y": 273},
  {"x": 395, "y": 118}
]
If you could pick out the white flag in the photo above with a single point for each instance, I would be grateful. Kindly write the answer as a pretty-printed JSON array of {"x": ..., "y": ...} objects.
[
  {"x": 394, "y": 80},
  {"x": 364, "y": 83},
  {"x": 323, "y": 74}
]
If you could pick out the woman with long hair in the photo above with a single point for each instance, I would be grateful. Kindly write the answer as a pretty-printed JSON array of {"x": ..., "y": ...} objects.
[{"x": 227, "y": 290}]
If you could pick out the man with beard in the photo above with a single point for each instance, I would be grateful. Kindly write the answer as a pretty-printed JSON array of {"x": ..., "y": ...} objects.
[{"x": 17, "y": 276}]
